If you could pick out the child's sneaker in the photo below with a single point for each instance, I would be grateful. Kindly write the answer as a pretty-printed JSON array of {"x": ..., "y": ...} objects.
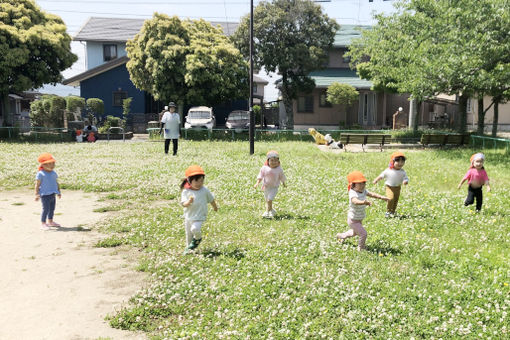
[
  {"x": 389, "y": 215},
  {"x": 44, "y": 226},
  {"x": 272, "y": 213},
  {"x": 266, "y": 214},
  {"x": 53, "y": 224},
  {"x": 194, "y": 243}
]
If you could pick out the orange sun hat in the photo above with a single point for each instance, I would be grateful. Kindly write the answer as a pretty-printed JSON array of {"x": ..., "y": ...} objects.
[
  {"x": 475, "y": 156},
  {"x": 394, "y": 155},
  {"x": 45, "y": 158},
  {"x": 355, "y": 177},
  {"x": 194, "y": 170}
]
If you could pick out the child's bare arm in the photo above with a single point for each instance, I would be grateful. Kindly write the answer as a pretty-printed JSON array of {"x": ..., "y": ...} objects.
[
  {"x": 488, "y": 186},
  {"x": 214, "y": 205},
  {"x": 461, "y": 182},
  {"x": 257, "y": 183},
  {"x": 188, "y": 202},
  {"x": 37, "y": 185},
  {"x": 59, "y": 192},
  {"x": 374, "y": 195},
  {"x": 377, "y": 179},
  {"x": 360, "y": 202}
]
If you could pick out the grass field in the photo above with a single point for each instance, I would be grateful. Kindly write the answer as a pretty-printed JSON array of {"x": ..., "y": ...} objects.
[{"x": 441, "y": 271}]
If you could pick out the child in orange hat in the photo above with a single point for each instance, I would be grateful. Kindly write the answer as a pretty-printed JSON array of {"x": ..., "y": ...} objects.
[
  {"x": 394, "y": 176},
  {"x": 477, "y": 178},
  {"x": 357, "y": 204},
  {"x": 194, "y": 199},
  {"x": 271, "y": 175},
  {"x": 46, "y": 187}
]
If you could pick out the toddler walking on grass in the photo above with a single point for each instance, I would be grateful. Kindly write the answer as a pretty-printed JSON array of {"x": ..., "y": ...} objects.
[
  {"x": 394, "y": 176},
  {"x": 46, "y": 187},
  {"x": 194, "y": 198},
  {"x": 271, "y": 175},
  {"x": 477, "y": 178},
  {"x": 357, "y": 204}
]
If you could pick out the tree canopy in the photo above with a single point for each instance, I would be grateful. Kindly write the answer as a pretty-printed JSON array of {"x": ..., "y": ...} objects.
[
  {"x": 343, "y": 94},
  {"x": 429, "y": 47},
  {"x": 186, "y": 61},
  {"x": 292, "y": 37},
  {"x": 34, "y": 47}
]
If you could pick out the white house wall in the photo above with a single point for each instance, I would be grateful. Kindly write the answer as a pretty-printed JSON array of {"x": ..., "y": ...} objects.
[{"x": 95, "y": 53}]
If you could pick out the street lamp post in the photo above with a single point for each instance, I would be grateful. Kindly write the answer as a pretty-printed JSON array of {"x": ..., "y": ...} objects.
[{"x": 252, "y": 114}]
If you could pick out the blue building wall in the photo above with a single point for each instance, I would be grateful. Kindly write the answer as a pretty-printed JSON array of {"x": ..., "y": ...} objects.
[
  {"x": 95, "y": 55},
  {"x": 103, "y": 85}
]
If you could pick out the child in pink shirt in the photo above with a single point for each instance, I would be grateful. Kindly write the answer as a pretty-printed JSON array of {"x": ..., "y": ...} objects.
[
  {"x": 476, "y": 177},
  {"x": 271, "y": 175}
]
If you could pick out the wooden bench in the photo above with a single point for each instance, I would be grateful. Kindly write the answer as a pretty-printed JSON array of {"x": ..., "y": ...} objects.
[
  {"x": 364, "y": 139},
  {"x": 444, "y": 139}
]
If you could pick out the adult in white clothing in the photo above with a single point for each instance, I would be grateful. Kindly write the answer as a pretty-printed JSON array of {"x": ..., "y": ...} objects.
[{"x": 171, "y": 124}]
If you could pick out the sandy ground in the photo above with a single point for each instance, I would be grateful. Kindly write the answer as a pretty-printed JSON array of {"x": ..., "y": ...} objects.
[{"x": 54, "y": 284}]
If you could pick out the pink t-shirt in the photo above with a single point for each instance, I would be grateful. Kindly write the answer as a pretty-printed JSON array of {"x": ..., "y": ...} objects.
[
  {"x": 477, "y": 177},
  {"x": 271, "y": 176}
]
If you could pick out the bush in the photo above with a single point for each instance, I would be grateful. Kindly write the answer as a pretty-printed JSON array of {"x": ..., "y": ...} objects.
[
  {"x": 112, "y": 121},
  {"x": 48, "y": 111}
]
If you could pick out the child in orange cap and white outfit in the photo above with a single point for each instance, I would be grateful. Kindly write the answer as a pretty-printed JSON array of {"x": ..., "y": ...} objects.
[
  {"x": 271, "y": 175},
  {"x": 476, "y": 177},
  {"x": 46, "y": 187},
  {"x": 194, "y": 198},
  {"x": 394, "y": 176},
  {"x": 357, "y": 204}
]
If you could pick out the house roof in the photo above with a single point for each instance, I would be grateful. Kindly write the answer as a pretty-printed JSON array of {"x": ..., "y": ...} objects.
[
  {"x": 259, "y": 80},
  {"x": 325, "y": 78},
  {"x": 121, "y": 29},
  {"x": 75, "y": 81},
  {"x": 347, "y": 33}
]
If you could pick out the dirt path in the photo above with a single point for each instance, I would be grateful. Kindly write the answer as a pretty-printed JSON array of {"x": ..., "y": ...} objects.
[{"x": 55, "y": 284}]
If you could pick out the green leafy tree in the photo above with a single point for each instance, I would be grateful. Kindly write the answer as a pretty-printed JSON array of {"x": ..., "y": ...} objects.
[
  {"x": 48, "y": 112},
  {"x": 95, "y": 108},
  {"x": 437, "y": 46},
  {"x": 292, "y": 37},
  {"x": 126, "y": 106},
  {"x": 74, "y": 105},
  {"x": 185, "y": 61},
  {"x": 34, "y": 48},
  {"x": 342, "y": 94}
]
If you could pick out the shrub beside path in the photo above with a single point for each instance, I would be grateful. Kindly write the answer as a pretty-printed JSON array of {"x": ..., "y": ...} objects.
[{"x": 55, "y": 284}]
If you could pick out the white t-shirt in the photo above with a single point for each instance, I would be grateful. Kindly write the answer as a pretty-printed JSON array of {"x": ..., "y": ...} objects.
[
  {"x": 357, "y": 211},
  {"x": 271, "y": 177},
  {"x": 172, "y": 123},
  {"x": 197, "y": 211},
  {"x": 394, "y": 178}
]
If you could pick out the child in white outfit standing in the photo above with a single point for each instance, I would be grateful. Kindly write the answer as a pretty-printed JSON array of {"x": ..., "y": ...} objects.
[
  {"x": 194, "y": 198},
  {"x": 357, "y": 204},
  {"x": 394, "y": 176},
  {"x": 271, "y": 175}
]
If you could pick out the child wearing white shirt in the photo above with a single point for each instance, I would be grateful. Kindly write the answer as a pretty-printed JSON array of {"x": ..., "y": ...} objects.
[
  {"x": 394, "y": 176},
  {"x": 194, "y": 198},
  {"x": 271, "y": 175}
]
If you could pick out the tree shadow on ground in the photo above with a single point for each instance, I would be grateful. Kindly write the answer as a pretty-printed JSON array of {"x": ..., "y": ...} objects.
[
  {"x": 236, "y": 254},
  {"x": 381, "y": 248}
]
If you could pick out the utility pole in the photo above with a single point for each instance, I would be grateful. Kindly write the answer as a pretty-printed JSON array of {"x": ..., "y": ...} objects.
[{"x": 250, "y": 109}]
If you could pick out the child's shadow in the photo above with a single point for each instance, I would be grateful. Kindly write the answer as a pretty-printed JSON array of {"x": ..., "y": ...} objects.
[
  {"x": 236, "y": 254},
  {"x": 383, "y": 249},
  {"x": 64, "y": 229},
  {"x": 290, "y": 217}
]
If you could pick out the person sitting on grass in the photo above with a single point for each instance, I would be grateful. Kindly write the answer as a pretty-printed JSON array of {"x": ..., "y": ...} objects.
[
  {"x": 194, "y": 199},
  {"x": 357, "y": 204},
  {"x": 477, "y": 178}
]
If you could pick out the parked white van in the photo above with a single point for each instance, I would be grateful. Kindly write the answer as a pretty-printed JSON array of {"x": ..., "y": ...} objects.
[{"x": 200, "y": 116}]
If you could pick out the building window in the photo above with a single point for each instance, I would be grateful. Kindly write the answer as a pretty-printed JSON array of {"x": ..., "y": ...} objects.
[
  {"x": 469, "y": 106},
  {"x": 346, "y": 59},
  {"x": 109, "y": 52},
  {"x": 254, "y": 87},
  {"x": 118, "y": 97},
  {"x": 323, "y": 100},
  {"x": 305, "y": 104}
]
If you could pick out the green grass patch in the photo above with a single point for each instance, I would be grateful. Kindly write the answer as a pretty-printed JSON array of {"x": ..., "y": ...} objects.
[{"x": 438, "y": 271}]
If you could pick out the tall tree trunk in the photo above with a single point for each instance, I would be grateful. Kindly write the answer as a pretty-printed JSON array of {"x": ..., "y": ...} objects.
[
  {"x": 496, "y": 116},
  {"x": 461, "y": 125},
  {"x": 417, "y": 115},
  {"x": 481, "y": 117},
  {"x": 289, "y": 110}
]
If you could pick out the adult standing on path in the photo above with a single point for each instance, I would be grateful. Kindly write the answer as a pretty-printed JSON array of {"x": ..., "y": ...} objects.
[{"x": 171, "y": 122}]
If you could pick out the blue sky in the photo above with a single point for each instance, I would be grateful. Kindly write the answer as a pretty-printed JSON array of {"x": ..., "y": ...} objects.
[{"x": 76, "y": 12}]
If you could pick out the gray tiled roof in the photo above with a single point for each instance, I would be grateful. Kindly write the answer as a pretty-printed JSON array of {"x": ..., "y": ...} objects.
[
  {"x": 347, "y": 33},
  {"x": 120, "y": 30}
]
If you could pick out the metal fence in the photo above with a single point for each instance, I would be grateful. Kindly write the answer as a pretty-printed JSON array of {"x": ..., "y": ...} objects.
[
  {"x": 485, "y": 142},
  {"x": 36, "y": 134}
]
